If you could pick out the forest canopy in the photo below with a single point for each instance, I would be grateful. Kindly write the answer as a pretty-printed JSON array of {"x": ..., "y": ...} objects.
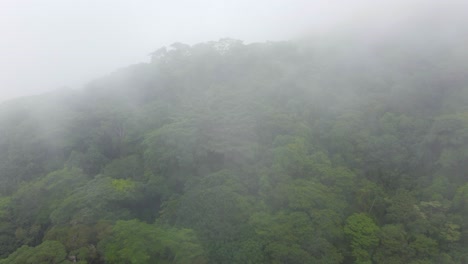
[{"x": 323, "y": 150}]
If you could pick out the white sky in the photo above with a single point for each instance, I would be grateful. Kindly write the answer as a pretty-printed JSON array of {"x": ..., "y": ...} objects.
[{"x": 50, "y": 44}]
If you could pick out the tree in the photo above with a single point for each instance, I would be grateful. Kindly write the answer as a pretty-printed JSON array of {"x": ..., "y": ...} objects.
[
  {"x": 393, "y": 247},
  {"x": 137, "y": 242},
  {"x": 362, "y": 232},
  {"x": 45, "y": 253}
]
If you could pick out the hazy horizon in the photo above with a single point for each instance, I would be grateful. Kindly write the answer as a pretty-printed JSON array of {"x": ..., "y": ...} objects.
[{"x": 61, "y": 44}]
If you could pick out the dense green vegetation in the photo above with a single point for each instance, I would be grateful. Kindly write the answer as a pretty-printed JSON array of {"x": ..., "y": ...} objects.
[{"x": 333, "y": 150}]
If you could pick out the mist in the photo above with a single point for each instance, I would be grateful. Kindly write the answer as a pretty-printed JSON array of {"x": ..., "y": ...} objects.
[
  {"x": 65, "y": 44},
  {"x": 68, "y": 43},
  {"x": 204, "y": 132}
]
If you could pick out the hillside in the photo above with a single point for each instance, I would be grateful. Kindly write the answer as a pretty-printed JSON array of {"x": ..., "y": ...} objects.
[{"x": 326, "y": 150}]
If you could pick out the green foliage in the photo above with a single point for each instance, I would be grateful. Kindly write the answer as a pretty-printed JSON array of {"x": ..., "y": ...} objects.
[
  {"x": 362, "y": 232},
  {"x": 4, "y": 203},
  {"x": 128, "y": 167},
  {"x": 404, "y": 210},
  {"x": 217, "y": 207},
  {"x": 100, "y": 199},
  {"x": 397, "y": 247},
  {"x": 461, "y": 199},
  {"x": 45, "y": 253},
  {"x": 346, "y": 151},
  {"x": 393, "y": 246},
  {"x": 137, "y": 242},
  {"x": 294, "y": 238}
]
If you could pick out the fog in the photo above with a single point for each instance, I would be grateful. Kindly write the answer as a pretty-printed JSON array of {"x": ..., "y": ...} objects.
[
  {"x": 56, "y": 44},
  {"x": 243, "y": 132},
  {"x": 52, "y": 44}
]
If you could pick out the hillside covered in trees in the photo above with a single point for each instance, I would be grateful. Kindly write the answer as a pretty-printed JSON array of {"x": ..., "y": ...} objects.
[{"x": 339, "y": 149}]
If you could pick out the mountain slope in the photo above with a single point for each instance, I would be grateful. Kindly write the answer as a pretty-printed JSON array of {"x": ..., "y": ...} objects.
[{"x": 330, "y": 151}]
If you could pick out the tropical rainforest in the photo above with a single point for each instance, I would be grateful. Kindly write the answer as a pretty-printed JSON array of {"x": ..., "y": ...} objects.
[{"x": 339, "y": 148}]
